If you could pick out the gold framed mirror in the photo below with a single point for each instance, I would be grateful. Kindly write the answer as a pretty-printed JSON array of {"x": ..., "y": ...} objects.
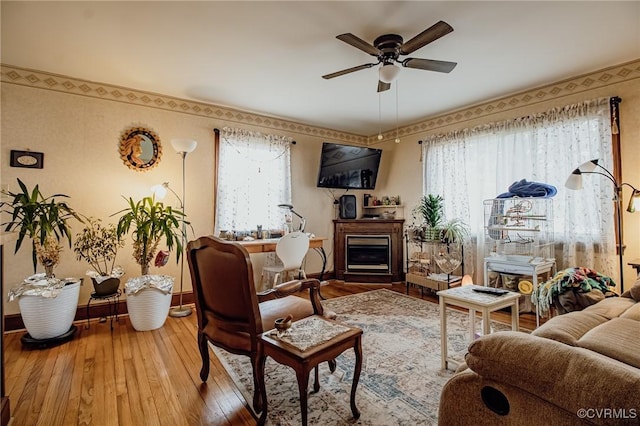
[{"x": 140, "y": 148}]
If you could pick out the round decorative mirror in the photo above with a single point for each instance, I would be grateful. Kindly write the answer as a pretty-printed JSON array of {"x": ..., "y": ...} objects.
[{"x": 140, "y": 148}]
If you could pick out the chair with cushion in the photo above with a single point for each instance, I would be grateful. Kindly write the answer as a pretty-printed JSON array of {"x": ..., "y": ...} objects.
[
  {"x": 291, "y": 250},
  {"x": 231, "y": 315}
]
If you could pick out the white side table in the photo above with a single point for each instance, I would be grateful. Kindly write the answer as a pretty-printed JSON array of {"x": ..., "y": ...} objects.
[
  {"x": 533, "y": 269},
  {"x": 465, "y": 297}
]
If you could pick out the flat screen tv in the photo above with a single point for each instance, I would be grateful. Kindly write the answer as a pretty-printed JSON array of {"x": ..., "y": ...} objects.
[{"x": 348, "y": 167}]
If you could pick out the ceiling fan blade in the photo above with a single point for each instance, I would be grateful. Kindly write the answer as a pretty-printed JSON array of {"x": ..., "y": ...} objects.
[
  {"x": 359, "y": 43},
  {"x": 433, "y": 33},
  {"x": 429, "y": 64},
  {"x": 382, "y": 86},
  {"x": 347, "y": 71}
]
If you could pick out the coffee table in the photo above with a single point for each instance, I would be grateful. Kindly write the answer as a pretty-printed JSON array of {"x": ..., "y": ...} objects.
[
  {"x": 466, "y": 297},
  {"x": 309, "y": 342}
]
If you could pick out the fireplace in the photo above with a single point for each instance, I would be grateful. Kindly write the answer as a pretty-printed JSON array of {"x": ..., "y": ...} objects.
[
  {"x": 368, "y": 254},
  {"x": 368, "y": 250}
]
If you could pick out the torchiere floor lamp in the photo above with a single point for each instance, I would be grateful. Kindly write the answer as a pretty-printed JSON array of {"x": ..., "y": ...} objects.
[{"x": 182, "y": 147}]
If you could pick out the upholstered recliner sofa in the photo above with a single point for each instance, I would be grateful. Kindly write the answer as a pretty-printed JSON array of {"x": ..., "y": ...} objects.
[{"x": 579, "y": 368}]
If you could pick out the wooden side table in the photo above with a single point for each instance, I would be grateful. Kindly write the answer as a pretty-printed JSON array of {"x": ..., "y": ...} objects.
[
  {"x": 465, "y": 297},
  {"x": 309, "y": 342}
]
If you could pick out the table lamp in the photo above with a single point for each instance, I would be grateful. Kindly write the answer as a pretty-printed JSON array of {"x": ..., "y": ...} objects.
[{"x": 289, "y": 207}]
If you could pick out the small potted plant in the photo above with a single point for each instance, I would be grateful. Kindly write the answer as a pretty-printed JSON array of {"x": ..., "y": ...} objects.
[
  {"x": 98, "y": 245},
  {"x": 429, "y": 212},
  {"x": 454, "y": 231},
  {"x": 149, "y": 222},
  {"x": 47, "y": 304}
]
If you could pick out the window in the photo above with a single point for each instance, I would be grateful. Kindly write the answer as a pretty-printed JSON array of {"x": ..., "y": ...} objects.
[
  {"x": 254, "y": 176},
  {"x": 483, "y": 162}
]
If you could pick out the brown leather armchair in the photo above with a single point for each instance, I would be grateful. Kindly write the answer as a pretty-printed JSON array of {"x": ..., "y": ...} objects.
[{"x": 230, "y": 313}]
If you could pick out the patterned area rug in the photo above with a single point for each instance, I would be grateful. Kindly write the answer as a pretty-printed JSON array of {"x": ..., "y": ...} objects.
[{"x": 401, "y": 378}]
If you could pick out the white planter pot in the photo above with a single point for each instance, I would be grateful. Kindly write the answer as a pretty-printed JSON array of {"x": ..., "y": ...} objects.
[
  {"x": 46, "y": 318},
  {"x": 148, "y": 308}
]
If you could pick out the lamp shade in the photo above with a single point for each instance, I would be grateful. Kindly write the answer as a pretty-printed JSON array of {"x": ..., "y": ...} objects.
[
  {"x": 589, "y": 166},
  {"x": 184, "y": 145},
  {"x": 575, "y": 180},
  {"x": 388, "y": 73},
  {"x": 160, "y": 190},
  {"x": 634, "y": 202}
]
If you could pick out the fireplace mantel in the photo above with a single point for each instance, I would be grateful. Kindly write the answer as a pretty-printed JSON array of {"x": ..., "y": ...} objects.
[{"x": 388, "y": 227}]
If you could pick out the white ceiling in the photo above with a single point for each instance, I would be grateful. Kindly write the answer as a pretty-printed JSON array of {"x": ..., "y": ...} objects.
[{"x": 268, "y": 57}]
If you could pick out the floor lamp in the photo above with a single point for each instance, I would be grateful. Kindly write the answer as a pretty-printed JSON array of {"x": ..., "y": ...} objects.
[
  {"x": 593, "y": 167},
  {"x": 182, "y": 147}
]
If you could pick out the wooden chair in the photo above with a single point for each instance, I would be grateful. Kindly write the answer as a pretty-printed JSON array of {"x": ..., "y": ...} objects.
[{"x": 231, "y": 315}]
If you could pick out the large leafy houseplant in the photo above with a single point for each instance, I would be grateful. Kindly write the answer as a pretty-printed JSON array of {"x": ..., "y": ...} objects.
[
  {"x": 149, "y": 221},
  {"x": 44, "y": 220},
  {"x": 47, "y": 304}
]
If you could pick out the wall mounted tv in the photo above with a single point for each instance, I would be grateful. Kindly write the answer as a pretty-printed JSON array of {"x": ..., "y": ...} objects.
[{"x": 348, "y": 167}]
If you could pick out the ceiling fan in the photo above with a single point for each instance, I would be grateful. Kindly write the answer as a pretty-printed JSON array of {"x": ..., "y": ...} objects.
[{"x": 389, "y": 47}]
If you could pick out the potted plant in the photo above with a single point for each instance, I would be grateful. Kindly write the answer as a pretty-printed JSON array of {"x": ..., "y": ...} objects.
[
  {"x": 47, "y": 304},
  {"x": 430, "y": 209},
  {"x": 454, "y": 231},
  {"x": 149, "y": 221},
  {"x": 98, "y": 245}
]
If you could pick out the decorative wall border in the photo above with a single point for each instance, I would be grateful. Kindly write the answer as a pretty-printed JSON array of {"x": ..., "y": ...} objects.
[
  {"x": 601, "y": 78},
  {"x": 60, "y": 83},
  {"x": 44, "y": 80}
]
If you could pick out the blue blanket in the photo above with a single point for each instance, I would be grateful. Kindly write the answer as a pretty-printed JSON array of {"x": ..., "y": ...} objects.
[{"x": 525, "y": 189}]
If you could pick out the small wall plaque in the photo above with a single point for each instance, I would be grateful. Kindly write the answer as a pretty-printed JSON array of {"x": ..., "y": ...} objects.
[{"x": 28, "y": 159}]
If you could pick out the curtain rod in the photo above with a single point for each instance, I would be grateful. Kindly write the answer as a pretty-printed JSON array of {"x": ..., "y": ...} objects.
[
  {"x": 217, "y": 132},
  {"x": 614, "y": 101}
]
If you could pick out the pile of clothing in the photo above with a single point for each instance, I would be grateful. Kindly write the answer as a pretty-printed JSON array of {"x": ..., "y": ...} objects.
[
  {"x": 572, "y": 289},
  {"x": 525, "y": 189}
]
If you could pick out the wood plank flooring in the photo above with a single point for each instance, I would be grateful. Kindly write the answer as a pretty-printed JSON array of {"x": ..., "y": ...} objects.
[{"x": 127, "y": 377}]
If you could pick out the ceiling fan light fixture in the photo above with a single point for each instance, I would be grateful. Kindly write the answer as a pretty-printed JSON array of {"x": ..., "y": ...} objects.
[{"x": 389, "y": 72}]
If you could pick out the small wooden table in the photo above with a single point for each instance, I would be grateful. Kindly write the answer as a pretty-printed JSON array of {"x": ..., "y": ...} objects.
[
  {"x": 309, "y": 342},
  {"x": 465, "y": 297}
]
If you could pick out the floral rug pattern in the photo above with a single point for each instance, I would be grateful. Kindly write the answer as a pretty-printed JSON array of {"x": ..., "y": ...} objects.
[{"x": 401, "y": 378}]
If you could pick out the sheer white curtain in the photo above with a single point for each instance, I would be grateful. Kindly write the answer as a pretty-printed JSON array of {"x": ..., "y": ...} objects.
[
  {"x": 254, "y": 176},
  {"x": 472, "y": 165}
]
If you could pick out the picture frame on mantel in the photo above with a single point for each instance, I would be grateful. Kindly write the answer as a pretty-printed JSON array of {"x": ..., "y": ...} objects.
[{"x": 27, "y": 159}]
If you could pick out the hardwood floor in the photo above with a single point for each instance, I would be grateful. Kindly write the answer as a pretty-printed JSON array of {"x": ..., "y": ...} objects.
[{"x": 126, "y": 377}]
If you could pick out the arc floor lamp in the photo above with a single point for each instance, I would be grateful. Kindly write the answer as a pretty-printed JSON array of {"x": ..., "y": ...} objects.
[
  {"x": 593, "y": 167},
  {"x": 182, "y": 147}
]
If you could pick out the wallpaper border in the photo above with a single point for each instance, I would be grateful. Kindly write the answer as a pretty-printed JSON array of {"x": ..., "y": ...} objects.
[
  {"x": 582, "y": 83},
  {"x": 60, "y": 83},
  {"x": 44, "y": 80}
]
